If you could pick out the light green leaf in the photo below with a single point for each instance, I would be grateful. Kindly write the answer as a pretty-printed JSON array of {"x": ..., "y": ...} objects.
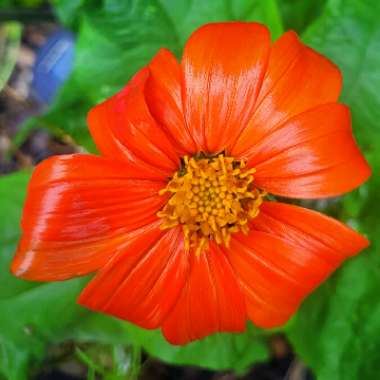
[
  {"x": 31, "y": 320},
  {"x": 219, "y": 351},
  {"x": 12, "y": 192},
  {"x": 188, "y": 15},
  {"x": 97, "y": 328}
]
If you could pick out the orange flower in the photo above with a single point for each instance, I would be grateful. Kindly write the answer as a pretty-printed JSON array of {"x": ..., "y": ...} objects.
[{"x": 174, "y": 217}]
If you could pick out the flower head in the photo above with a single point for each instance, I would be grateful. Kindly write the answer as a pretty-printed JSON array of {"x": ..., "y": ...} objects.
[
  {"x": 213, "y": 197},
  {"x": 174, "y": 215}
]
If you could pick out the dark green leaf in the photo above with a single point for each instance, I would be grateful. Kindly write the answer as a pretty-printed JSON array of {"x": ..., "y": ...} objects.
[
  {"x": 337, "y": 330},
  {"x": 68, "y": 11},
  {"x": 349, "y": 34},
  {"x": 298, "y": 14},
  {"x": 21, "y": 3}
]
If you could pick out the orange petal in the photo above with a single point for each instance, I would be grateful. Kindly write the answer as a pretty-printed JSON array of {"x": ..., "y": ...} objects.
[
  {"x": 312, "y": 155},
  {"x": 79, "y": 211},
  {"x": 124, "y": 129},
  {"x": 142, "y": 283},
  {"x": 211, "y": 301},
  {"x": 297, "y": 79},
  {"x": 223, "y": 65},
  {"x": 290, "y": 252},
  {"x": 163, "y": 95}
]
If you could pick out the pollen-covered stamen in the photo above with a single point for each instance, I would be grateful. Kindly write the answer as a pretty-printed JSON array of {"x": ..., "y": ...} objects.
[{"x": 212, "y": 197}]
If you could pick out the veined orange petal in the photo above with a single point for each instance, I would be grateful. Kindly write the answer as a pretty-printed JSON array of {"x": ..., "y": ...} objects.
[
  {"x": 211, "y": 300},
  {"x": 286, "y": 255},
  {"x": 312, "y": 155},
  {"x": 163, "y": 96},
  {"x": 141, "y": 284},
  {"x": 301, "y": 226},
  {"x": 124, "y": 129},
  {"x": 223, "y": 67},
  {"x": 297, "y": 79},
  {"x": 79, "y": 211},
  {"x": 110, "y": 146}
]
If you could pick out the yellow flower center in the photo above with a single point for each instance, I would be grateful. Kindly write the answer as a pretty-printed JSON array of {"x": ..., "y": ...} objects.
[{"x": 212, "y": 197}]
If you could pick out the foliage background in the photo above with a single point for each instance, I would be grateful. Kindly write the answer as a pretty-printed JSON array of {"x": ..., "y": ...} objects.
[{"x": 337, "y": 330}]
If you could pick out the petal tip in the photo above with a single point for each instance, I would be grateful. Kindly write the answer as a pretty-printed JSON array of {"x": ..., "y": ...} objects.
[
  {"x": 15, "y": 268},
  {"x": 363, "y": 243},
  {"x": 291, "y": 35},
  {"x": 21, "y": 263},
  {"x": 172, "y": 340},
  {"x": 276, "y": 320}
]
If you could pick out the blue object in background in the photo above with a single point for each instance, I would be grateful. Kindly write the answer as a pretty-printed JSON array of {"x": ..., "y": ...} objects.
[{"x": 53, "y": 65}]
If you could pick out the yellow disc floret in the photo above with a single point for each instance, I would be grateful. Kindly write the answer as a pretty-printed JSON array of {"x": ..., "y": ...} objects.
[{"x": 212, "y": 197}]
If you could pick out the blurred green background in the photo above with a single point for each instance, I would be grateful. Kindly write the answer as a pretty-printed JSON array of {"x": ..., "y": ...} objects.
[{"x": 337, "y": 330}]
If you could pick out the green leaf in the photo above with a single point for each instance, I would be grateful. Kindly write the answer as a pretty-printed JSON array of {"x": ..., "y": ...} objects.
[
  {"x": 337, "y": 330},
  {"x": 12, "y": 192},
  {"x": 30, "y": 313},
  {"x": 99, "y": 328},
  {"x": 349, "y": 33},
  {"x": 298, "y": 14},
  {"x": 22, "y": 3},
  {"x": 68, "y": 11},
  {"x": 186, "y": 16},
  {"x": 219, "y": 351},
  {"x": 117, "y": 39},
  {"x": 31, "y": 320}
]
